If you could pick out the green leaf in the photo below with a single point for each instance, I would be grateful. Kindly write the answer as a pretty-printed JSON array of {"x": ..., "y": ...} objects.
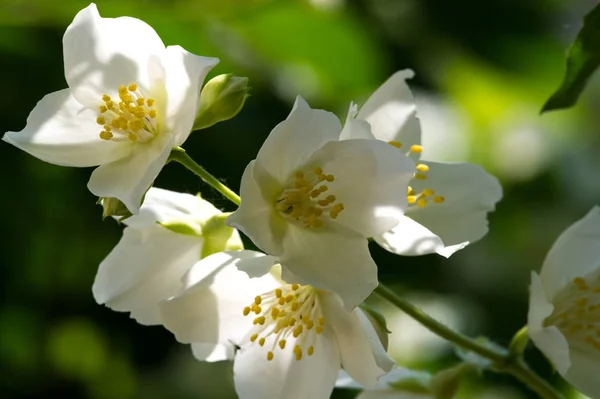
[{"x": 582, "y": 60}]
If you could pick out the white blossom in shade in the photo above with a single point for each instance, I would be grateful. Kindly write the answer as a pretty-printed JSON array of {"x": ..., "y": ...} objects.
[
  {"x": 312, "y": 201},
  {"x": 399, "y": 383},
  {"x": 291, "y": 339},
  {"x": 130, "y": 101},
  {"x": 149, "y": 261},
  {"x": 447, "y": 202},
  {"x": 564, "y": 305}
]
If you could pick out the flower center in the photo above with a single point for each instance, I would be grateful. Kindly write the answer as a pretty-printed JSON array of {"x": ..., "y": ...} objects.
[
  {"x": 132, "y": 118},
  {"x": 290, "y": 310},
  {"x": 304, "y": 200},
  {"x": 427, "y": 195},
  {"x": 577, "y": 312}
]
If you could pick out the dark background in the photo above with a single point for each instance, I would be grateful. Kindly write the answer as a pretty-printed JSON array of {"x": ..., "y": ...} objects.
[{"x": 483, "y": 70}]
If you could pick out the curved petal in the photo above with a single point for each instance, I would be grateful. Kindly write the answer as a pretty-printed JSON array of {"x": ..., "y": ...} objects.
[
  {"x": 383, "y": 360},
  {"x": 354, "y": 342},
  {"x": 255, "y": 216},
  {"x": 129, "y": 178},
  {"x": 285, "y": 377},
  {"x": 144, "y": 268},
  {"x": 210, "y": 305},
  {"x": 575, "y": 253},
  {"x": 355, "y": 128},
  {"x": 336, "y": 260},
  {"x": 392, "y": 113},
  {"x": 549, "y": 340},
  {"x": 410, "y": 238},
  {"x": 185, "y": 72},
  {"x": 469, "y": 194},
  {"x": 61, "y": 131},
  {"x": 212, "y": 352},
  {"x": 102, "y": 53},
  {"x": 292, "y": 141},
  {"x": 583, "y": 374},
  {"x": 371, "y": 180}
]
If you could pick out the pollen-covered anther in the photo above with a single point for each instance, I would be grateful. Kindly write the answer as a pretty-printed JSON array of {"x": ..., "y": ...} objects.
[
  {"x": 297, "y": 317},
  {"x": 396, "y": 144},
  {"x": 131, "y": 118},
  {"x": 304, "y": 201},
  {"x": 417, "y": 149}
]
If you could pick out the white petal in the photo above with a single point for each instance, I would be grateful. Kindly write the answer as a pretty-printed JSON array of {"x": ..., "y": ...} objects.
[
  {"x": 285, "y": 377},
  {"x": 575, "y": 253},
  {"x": 212, "y": 352},
  {"x": 410, "y": 238},
  {"x": 334, "y": 260},
  {"x": 292, "y": 141},
  {"x": 391, "y": 111},
  {"x": 144, "y": 268},
  {"x": 185, "y": 72},
  {"x": 549, "y": 340},
  {"x": 215, "y": 292},
  {"x": 469, "y": 192},
  {"x": 61, "y": 131},
  {"x": 371, "y": 180},
  {"x": 129, "y": 178},
  {"x": 102, "y": 53},
  {"x": 383, "y": 360},
  {"x": 356, "y": 352},
  {"x": 355, "y": 128},
  {"x": 255, "y": 217},
  {"x": 583, "y": 374}
]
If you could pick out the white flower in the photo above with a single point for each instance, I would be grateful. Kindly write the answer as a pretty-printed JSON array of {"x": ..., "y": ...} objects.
[
  {"x": 147, "y": 264},
  {"x": 564, "y": 305},
  {"x": 399, "y": 383},
  {"x": 448, "y": 202},
  {"x": 130, "y": 101},
  {"x": 312, "y": 201},
  {"x": 291, "y": 339}
]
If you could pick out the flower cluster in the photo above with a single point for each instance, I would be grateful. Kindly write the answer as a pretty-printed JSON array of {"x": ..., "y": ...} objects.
[{"x": 317, "y": 192}]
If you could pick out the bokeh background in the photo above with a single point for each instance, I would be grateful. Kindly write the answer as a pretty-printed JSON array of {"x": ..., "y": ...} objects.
[{"x": 483, "y": 71}]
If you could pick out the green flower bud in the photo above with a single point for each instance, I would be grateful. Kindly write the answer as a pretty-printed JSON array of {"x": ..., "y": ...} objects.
[
  {"x": 114, "y": 207},
  {"x": 221, "y": 99}
]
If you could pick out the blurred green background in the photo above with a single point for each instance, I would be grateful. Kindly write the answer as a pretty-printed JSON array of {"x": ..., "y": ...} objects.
[{"x": 483, "y": 71}]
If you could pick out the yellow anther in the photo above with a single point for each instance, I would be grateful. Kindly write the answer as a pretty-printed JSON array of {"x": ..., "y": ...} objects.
[
  {"x": 409, "y": 191},
  {"x": 282, "y": 344},
  {"x": 315, "y": 193},
  {"x": 140, "y": 101},
  {"x": 439, "y": 199},
  {"x": 295, "y": 287},
  {"x": 411, "y": 199},
  {"x": 105, "y": 135},
  {"x": 110, "y": 104},
  {"x": 278, "y": 292},
  {"x": 330, "y": 178},
  {"x": 298, "y": 330},
  {"x": 416, "y": 148},
  {"x": 100, "y": 120},
  {"x": 152, "y": 113},
  {"x": 122, "y": 90},
  {"x": 331, "y": 199},
  {"x": 422, "y": 167},
  {"x": 261, "y": 320},
  {"x": 420, "y": 176},
  {"x": 396, "y": 144},
  {"x": 103, "y": 109},
  {"x": 132, "y": 87},
  {"x": 295, "y": 306},
  {"x": 310, "y": 324},
  {"x": 132, "y": 137},
  {"x": 258, "y": 300},
  {"x": 317, "y": 171},
  {"x": 281, "y": 301},
  {"x": 323, "y": 188},
  {"x": 318, "y": 329},
  {"x": 261, "y": 341},
  {"x": 150, "y": 102},
  {"x": 305, "y": 319},
  {"x": 579, "y": 281},
  {"x": 289, "y": 298},
  {"x": 253, "y": 337},
  {"x": 581, "y": 302},
  {"x": 105, "y": 97},
  {"x": 321, "y": 321},
  {"x": 246, "y": 311},
  {"x": 310, "y": 350},
  {"x": 428, "y": 192},
  {"x": 298, "y": 352},
  {"x": 270, "y": 355},
  {"x": 274, "y": 313},
  {"x": 292, "y": 322},
  {"x": 323, "y": 202},
  {"x": 422, "y": 203}
]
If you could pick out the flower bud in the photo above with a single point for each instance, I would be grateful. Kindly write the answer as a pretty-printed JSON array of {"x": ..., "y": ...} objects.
[
  {"x": 221, "y": 99},
  {"x": 114, "y": 207}
]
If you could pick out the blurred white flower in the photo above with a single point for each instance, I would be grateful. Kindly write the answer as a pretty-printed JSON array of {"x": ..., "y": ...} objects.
[
  {"x": 564, "y": 305},
  {"x": 311, "y": 200},
  {"x": 291, "y": 339},
  {"x": 148, "y": 263},
  {"x": 130, "y": 101},
  {"x": 448, "y": 202}
]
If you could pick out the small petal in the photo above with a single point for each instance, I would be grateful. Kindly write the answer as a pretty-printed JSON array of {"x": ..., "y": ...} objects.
[
  {"x": 392, "y": 113},
  {"x": 256, "y": 217},
  {"x": 575, "y": 253},
  {"x": 144, "y": 268},
  {"x": 129, "y": 178},
  {"x": 292, "y": 141},
  {"x": 102, "y": 53},
  {"x": 469, "y": 193},
  {"x": 548, "y": 339},
  {"x": 185, "y": 72},
  {"x": 356, "y": 351},
  {"x": 355, "y": 128},
  {"x": 334, "y": 260},
  {"x": 210, "y": 307},
  {"x": 285, "y": 377},
  {"x": 410, "y": 238},
  {"x": 371, "y": 180},
  {"x": 62, "y": 132},
  {"x": 212, "y": 352}
]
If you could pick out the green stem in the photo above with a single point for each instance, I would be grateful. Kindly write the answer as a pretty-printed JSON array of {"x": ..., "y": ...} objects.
[
  {"x": 503, "y": 362},
  {"x": 179, "y": 155}
]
